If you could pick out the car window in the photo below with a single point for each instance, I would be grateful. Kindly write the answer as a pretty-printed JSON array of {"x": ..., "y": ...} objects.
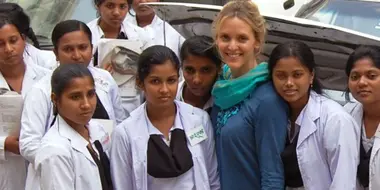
[
  {"x": 363, "y": 18},
  {"x": 45, "y": 14}
]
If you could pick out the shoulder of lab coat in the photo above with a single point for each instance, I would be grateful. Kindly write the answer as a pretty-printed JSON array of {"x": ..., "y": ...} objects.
[
  {"x": 136, "y": 33},
  {"x": 126, "y": 137},
  {"x": 99, "y": 74},
  {"x": 339, "y": 138},
  {"x": 43, "y": 58},
  {"x": 35, "y": 118},
  {"x": 96, "y": 35},
  {"x": 32, "y": 75},
  {"x": 55, "y": 162}
]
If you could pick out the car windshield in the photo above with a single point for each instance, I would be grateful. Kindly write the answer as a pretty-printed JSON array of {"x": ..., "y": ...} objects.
[
  {"x": 45, "y": 14},
  {"x": 362, "y": 16}
]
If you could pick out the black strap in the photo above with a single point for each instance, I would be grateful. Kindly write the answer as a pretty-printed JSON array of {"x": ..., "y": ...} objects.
[
  {"x": 169, "y": 162},
  {"x": 103, "y": 166},
  {"x": 100, "y": 111},
  {"x": 293, "y": 177},
  {"x": 364, "y": 164}
]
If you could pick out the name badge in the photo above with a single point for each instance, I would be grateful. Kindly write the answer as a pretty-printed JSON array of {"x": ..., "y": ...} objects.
[{"x": 197, "y": 135}]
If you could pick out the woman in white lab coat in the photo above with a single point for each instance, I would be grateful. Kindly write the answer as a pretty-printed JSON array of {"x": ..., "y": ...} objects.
[
  {"x": 159, "y": 31},
  {"x": 73, "y": 152},
  {"x": 322, "y": 144},
  {"x": 18, "y": 74},
  {"x": 72, "y": 44},
  {"x": 110, "y": 25},
  {"x": 173, "y": 145},
  {"x": 363, "y": 71},
  {"x": 201, "y": 65},
  {"x": 43, "y": 58}
]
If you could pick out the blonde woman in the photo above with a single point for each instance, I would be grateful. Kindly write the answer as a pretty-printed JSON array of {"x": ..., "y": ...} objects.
[{"x": 249, "y": 118}]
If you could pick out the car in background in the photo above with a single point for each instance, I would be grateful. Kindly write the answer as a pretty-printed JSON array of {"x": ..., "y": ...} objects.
[
  {"x": 330, "y": 44},
  {"x": 358, "y": 15}
]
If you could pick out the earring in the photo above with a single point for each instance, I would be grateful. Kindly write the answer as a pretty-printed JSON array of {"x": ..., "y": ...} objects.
[{"x": 311, "y": 85}]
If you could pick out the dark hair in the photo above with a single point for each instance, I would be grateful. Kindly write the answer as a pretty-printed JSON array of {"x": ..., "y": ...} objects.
[
  {"x": 100, "y": 2},
  {"x": 68, "y": 26},
  {"x": 202, "y": 46},
  {"x": 299, "y": 50},
  {"x": 62, "y": 77},
  {"x": 20, "y": 19},
  {"x": 155, "y": 55},
  {"x": 371, "y": 52}
]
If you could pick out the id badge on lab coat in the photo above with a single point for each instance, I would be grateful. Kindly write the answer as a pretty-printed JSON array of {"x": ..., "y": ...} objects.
[{"x": 196, "y": 135}]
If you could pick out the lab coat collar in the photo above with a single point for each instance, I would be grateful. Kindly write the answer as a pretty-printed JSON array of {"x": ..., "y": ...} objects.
[
  {"x": 76, "y": 140},
  {"x": 183, "y": 109},
  {"x": 308, "y": 116},
  {"x": 29, "y": 77},
  {"x": 157, "y": 21},
  {"x": 179, "y": 96},
  {"x": 154, "y": 131}
]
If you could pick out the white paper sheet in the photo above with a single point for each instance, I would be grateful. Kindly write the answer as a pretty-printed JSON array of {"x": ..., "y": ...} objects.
[{"x": 11, "y": 105}]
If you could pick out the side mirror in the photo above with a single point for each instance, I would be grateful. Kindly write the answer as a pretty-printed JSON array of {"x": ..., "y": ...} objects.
[{"x": 288, "y": 4}]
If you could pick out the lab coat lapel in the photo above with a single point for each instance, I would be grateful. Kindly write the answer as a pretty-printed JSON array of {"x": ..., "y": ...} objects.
[
  {"x": 376, "y": 145},
  {"x": 307, "y": 119},
  {"x": 3, "y": 82},
  {"x": 77, "y": 141},
  {"x": 140, "y": 147},
  {"x": 30, "y": 78}
]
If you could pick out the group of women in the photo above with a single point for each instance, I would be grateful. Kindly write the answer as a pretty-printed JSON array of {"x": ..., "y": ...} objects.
[{"x": 232, "y": 123}]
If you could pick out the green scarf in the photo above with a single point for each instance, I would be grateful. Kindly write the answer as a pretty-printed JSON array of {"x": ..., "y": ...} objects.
[{"x": 228, "y": 92}]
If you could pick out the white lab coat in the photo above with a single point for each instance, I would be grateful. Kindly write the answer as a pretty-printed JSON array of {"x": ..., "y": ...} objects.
[
  {"x": 13, "y": 167},
  {"x": 356, "y": 110},
  {"x": 43, "y": 58},
  {"x": 64, "y": 163},
  {"x": 328, "y": 145},
  {"x": 128, "y": 155},
  {"x": 172, "y": 39}
]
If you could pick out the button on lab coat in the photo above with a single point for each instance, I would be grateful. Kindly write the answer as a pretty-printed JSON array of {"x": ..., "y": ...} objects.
[
  {"x": 38, "y": 110},
  {"x": 64, "y": 163},
  {"x": 128, "y": 155},
  {"x": 356, "y": 110},
  {"x": 156, "y": 30},
  {"x": 327, "y": 147},
  {"x": 13, "y": 167}
]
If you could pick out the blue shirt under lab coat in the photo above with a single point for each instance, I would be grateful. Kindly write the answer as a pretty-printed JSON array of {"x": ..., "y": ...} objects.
[{"x": 250, "y": 143}]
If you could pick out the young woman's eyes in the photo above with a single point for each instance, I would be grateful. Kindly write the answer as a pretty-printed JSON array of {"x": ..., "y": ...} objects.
[
  {"x": 171, "y": 81},
  {"x": 189, "y": 70},
  {"x": 75, "y": 97}
]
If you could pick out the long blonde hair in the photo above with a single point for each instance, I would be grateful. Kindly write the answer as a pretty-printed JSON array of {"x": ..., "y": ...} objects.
[{"x": 247, "y": 11}]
